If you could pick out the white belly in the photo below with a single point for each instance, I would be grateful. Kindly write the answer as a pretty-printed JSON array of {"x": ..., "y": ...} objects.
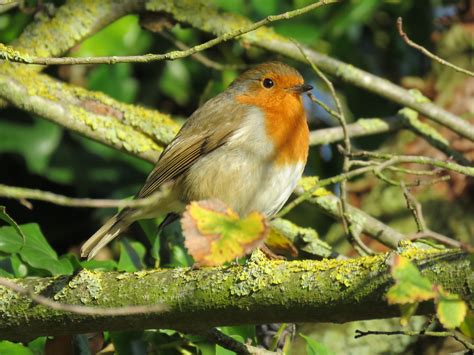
[{"x": 243, "y": 174}]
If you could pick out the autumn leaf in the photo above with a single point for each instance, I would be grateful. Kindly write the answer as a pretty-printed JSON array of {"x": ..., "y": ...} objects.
[
  {"x": 451, "y": 309},
  {"x": 410, "y": 286},
  {"x": 215, "y": 234},
  {"x": 279, "y": 244}
]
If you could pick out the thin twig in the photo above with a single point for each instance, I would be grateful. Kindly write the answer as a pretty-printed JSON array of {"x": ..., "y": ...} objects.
[
  {"x": 416, "y": 159},
  {"x": 34, "y": 194},
  {"x": 442, "y": 239},
  {"x": 373, "y": 166},
  {"x": 416, "y": 209},
  {"x": 78, "y": 309},
  {"x": 427, "y": 52},
  {"x": 227, "y": 342},
  {"x": 339, "y": 115},
  {"x": 199, "y": 56},
  {"x": 173, "y": 55},
  {"x": 467, "y": 344}
]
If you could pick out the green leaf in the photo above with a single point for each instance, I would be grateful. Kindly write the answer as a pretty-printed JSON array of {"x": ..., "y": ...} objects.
[
  {"x": 10, "y": 241},
  {"x": 214, "y": 234},
  {"x": 34, "y": 142},
  {"x": 150, "y": 228},
  {"x": 315, "y": 348},
  {"x": 410, "y": 286},
  {"x": 467, "y": 326},
  {"x": 408, "y": 310},
  {"x": 35, "y": 251},
  {"x": 123, "y": 37},
  {"x": 244, "y": 331},
  {"x": 6, "y": 218},
  {"x": 451, "y": 309},
  {"x": 7, "y": 347},
  {"x": 265, "y": 8},
  {"x": 175, "y": 81},
  {"x": 101, "y": 265},
  {"x": 131, "y": 256},
  {"x": 129, "y": 343}
]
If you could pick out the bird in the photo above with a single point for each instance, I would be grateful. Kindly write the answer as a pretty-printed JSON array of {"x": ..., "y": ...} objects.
[{"x": 246, "y": 147}]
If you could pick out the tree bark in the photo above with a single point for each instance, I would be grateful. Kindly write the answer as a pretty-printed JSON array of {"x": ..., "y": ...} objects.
[{"x": 260, "y": 291}]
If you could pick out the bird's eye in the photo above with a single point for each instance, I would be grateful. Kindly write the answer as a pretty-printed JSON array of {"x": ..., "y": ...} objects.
[{"x": 268, "y": 83}]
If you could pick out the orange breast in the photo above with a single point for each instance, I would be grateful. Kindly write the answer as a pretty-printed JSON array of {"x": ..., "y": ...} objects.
[{"x": 286, "y": 125}]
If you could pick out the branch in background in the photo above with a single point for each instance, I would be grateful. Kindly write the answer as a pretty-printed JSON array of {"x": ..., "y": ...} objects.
[
  {"x": 330, "y": 205},
  {"x": 415, "y": 159},
  {"x": 416, "y": 210},
  {"x": 468, "y": 345},
  {"x": 146, "y": 58},
  {"x": 427, "y": 52},
  {"x": 8, "y": 5},
  {"x": 353, "y": 234},
  {"x": 79, "y": 309},
  {"x": 198, "y": 56},
  {"x": 133, "y": 129},
  {"x": 261, "y": 291},
  {"x": 360, "y": 128},
  {"x": 410, "y": 119},
  {"x": 34, "y": 194},
  {"x": 71, "y": 24}
]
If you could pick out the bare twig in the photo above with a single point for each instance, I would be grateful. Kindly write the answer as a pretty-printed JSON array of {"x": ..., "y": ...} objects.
[
  {"x": 416, "y": 159},
  {"x": 466, "y": 343},
  {"x": 339, "y": 115},
  {"x": 415, "y": 207},
  {"x": 86, "y": 310},
  {"x": 34, "y": 194},
  {"x": 428, "y": 133},
  {"x": 442, "y": 239},
  {"x": 427, "y": 52},
  {"x": 173, "y": 55},
  {"x": 377, "y": 167},
  {"x": 198, "y": 56}
]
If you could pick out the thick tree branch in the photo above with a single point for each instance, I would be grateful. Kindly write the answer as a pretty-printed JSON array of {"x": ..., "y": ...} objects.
[
  {"x": 130, "y": 128},
  {"x": 261, "y": 291},
  {"x": 71, "y": 24}
]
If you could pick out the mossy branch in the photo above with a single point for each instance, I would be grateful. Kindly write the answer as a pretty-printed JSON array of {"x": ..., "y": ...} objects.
[
  {"x": 261, "y": 291},
  {"x": 133, "y": 129}
]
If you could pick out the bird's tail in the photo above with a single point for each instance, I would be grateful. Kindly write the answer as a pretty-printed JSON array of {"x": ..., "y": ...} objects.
[{"x": 112, "y": 228}]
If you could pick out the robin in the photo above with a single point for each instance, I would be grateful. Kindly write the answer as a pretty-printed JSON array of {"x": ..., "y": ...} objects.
[{"x": 246, "y": 147}]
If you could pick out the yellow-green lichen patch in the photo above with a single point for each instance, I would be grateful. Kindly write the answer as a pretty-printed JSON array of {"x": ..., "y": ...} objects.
[
  {"x": 86, "y": 280},
  {"x": 372, "y": 124},
  {"x": 411, "y": 118},
  {"x": 158, "y": 126},
  {"x": 415, "y": 251},
  {"x": 114, "y": 132},
  {"x": 308, "y": 183},
  {"x": 256, "y": 274},
  {"x": 10, "y": 54}
]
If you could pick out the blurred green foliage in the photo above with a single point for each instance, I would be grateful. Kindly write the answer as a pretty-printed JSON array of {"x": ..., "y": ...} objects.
[{"x": 36, "y": 153}]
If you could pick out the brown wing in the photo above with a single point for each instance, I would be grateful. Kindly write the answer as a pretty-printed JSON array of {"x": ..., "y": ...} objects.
[
  {"x": 207, "y": 129},
  {"x": 179, "y": 156}
]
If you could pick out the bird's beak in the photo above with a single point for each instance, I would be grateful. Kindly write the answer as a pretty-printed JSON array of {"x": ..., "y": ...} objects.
[{"x": 299, "y": 89}]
